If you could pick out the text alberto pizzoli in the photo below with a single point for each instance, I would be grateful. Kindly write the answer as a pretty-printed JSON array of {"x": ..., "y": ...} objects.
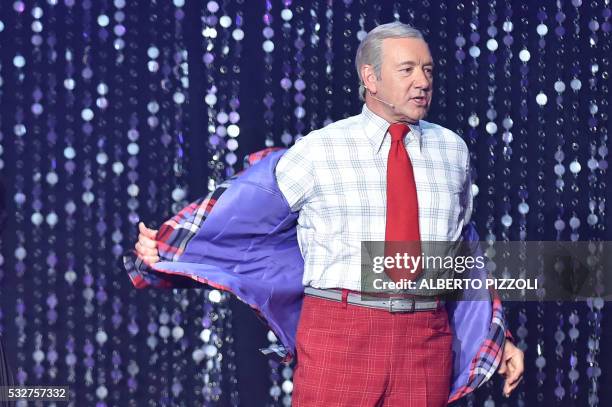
[{"x": 458, "y": 263}]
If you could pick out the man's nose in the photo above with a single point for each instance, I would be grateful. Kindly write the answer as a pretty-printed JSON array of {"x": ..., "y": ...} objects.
[{"x": 422, "y": 81}]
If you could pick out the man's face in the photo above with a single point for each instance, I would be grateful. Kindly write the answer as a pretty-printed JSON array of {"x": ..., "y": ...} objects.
[{"x": 406, "y": 78}]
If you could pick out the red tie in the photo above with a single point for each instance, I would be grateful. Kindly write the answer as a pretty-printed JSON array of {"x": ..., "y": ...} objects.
[{"x": 402, "y": 205}]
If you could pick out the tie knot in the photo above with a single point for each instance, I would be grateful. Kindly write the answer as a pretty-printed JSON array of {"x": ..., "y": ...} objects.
[{"x": 398, "y": 131}]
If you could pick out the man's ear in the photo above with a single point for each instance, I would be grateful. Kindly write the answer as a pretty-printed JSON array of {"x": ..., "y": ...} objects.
[{"x": 369, "y": 78}]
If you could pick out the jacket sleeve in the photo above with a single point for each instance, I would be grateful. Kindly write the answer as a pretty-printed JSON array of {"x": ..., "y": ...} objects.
[
  {"x": 175, "y": 233},
  {"x": 479, "y": 328},
  {"x": 240, "y": 239}
]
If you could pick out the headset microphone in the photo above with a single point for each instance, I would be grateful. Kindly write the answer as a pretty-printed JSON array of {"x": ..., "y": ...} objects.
[{"x": 392, "y": 106}]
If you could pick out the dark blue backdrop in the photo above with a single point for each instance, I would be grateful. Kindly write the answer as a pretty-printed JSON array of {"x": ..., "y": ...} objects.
[{"x": 114, "y": 112}]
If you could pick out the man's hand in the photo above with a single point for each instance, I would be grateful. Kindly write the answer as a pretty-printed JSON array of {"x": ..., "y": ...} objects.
[
  {"x": 511, "y": 367},
  {"x": 146, "y": 247}
]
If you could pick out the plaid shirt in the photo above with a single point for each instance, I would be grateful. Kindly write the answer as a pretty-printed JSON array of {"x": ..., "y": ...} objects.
[{"x": 337, "y": 178}]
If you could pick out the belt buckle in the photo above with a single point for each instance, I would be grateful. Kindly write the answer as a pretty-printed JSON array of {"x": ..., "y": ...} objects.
[{"x": 411, "y": 309}]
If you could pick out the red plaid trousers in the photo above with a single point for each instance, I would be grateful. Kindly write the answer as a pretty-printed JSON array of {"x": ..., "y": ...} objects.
[{"x": 349, "y": 355}]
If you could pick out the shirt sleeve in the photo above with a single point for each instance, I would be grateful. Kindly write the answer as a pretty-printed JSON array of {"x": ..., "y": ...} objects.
[{"x": 295, "y": 173}]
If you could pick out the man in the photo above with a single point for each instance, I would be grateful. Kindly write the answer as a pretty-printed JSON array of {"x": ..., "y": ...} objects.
[{"x": 383, "y": 175}]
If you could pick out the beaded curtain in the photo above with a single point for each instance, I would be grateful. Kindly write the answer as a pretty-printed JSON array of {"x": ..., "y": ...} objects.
[{"x": 116, "y": 111}]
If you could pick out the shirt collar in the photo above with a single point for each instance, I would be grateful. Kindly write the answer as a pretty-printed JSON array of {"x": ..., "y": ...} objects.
[{"x": 376, "y": 127}]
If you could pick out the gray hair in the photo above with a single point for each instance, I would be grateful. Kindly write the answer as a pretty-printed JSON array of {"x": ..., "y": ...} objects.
[{"x": 370, "y": 49}]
